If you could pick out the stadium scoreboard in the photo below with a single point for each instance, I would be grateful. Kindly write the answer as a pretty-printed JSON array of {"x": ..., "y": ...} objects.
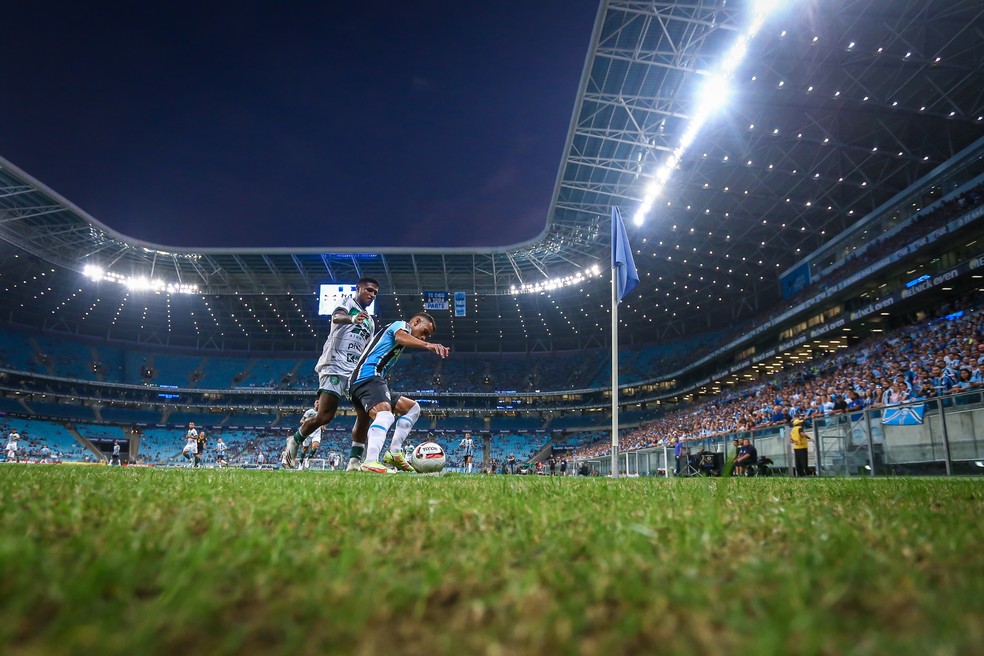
[{"x": 333, "y": 293}]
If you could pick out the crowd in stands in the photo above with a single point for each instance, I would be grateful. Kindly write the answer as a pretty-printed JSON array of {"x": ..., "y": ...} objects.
[
  {"x": 36, "y": 435},
  {"x": 937, "y": 357}
]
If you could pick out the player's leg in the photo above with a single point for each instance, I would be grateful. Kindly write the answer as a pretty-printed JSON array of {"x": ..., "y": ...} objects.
[
  {"x": 373, "y": 397},
  {"x": 359, "y": 434},
  {"x": 382, "y": 419},
  {"x": 313, "y": 451},
  {"x": 409, "y": 411},
  {"x": 329, "y": 390}
]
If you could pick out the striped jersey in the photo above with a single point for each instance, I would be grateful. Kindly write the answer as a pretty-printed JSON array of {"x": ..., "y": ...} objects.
[
  {"x": 380, "y": 354},
  {"x": 345, "y": 341}
]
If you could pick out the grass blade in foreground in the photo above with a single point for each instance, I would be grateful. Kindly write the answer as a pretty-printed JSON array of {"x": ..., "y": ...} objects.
[{"x": 226, "y": 561}]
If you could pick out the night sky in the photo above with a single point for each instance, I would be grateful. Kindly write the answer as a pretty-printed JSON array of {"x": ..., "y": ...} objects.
[{"x": 261, "y": 125}]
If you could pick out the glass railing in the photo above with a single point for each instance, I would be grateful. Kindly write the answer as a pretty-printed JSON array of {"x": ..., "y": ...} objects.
[{"x": 932, "y": 437}]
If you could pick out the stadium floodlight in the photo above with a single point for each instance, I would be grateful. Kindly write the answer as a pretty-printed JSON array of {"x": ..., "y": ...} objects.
[
  {"x": 557, "y": 283},
  {"x": 713, "y": 95},
  {"x": 93, "y": 272},
  {"x": 140, "y": 283}
]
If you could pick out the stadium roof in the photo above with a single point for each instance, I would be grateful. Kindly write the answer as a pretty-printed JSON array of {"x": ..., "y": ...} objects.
[{"x": 833, "y": 108}]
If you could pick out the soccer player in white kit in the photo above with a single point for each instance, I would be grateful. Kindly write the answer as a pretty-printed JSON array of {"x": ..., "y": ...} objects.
[
  {"x": 220, "y": 449},
  {"x": 351, "y": 329},
  {"x": 191, "y": 444},
  {"x": 468, "y": 444},
  {"x": 12, "y": 450}
]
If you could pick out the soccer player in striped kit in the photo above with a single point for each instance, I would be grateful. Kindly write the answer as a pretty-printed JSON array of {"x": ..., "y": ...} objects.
[{"x": 374, "y": 405}]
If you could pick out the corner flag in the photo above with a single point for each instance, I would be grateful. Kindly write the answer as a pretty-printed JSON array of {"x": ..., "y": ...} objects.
[{"x": 627, "y": 276}]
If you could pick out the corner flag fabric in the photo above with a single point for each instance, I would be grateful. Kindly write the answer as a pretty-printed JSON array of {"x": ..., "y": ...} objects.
[{"x": 626, "y": 275}]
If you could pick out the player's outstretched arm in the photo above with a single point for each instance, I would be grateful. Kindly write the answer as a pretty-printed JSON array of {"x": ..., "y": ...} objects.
[{"x": 406, "y": 339}]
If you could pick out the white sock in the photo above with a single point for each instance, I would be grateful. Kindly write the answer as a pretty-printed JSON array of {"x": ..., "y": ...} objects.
[
  {"x": 403, "y": 427},
  {"x": 377, "y": 434},
  {"x": 468, "y": 468}
]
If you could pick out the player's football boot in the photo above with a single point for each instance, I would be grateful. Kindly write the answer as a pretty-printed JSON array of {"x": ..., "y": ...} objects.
[
  {"x": 376, "y": 468},
  {"x": 397, "y": 460},
  {"x": 353, "y": 464},
  {"x": 288, "y": 458}
]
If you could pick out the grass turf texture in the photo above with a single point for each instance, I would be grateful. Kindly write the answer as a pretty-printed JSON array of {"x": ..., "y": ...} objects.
[{"x": 102, "y": 560}]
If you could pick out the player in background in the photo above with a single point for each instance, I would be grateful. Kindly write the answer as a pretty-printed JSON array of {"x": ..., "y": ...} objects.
[
  {"x": 311, "y": 443},
  {"x": 468, "y": 445},
  {"x": 351, "y": 329},
  {"x": 45, "y": 454},
  {"x": 374, "y": 405},
  {"x": 220, "y": 453},
  {"x": 190, "y": 450},
  {"x": 13, "y": 453},
  {"x": 200, "y": 453},
  {"x": 116, "y": 455}
]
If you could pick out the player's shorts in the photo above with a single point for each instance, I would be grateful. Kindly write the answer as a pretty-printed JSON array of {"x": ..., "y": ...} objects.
[
  {"x": 313, "y": 437},
  {"x": 190, "y": 448},
  {"x": 337, "y": 384},
  {"x": 370, "y": 393}
]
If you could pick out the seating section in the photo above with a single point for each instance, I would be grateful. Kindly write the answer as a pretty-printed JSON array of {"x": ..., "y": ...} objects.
[
  {"x": 36, "y": 434},
  {"x": 417, "y": 372},
  {"x": 130, "y": 415},
  {"x": 62, "y": 410},
  {"x": 17, "y": 352}
]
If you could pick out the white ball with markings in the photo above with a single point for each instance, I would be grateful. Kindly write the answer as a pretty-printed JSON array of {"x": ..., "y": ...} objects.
[{"x": 428, "y": 458}]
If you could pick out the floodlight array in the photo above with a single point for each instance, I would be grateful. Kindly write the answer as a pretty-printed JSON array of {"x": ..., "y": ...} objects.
[
  {"x": 712, "y": 96},
  {"x": 137, "y": 283},
  {"x": 558, "y": 283}
]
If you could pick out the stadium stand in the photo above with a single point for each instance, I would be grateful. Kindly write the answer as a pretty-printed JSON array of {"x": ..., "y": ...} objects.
[
  {"x": 36, "y": 434},
  {"x": 934, "y": 358}
]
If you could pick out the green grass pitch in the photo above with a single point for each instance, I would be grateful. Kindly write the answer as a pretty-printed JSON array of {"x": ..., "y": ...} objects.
[{"x": 97, "y": 560}]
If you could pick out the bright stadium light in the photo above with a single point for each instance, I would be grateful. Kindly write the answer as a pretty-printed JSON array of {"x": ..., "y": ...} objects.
[
  {"x": 557, "y": 283},
  {"x": 137, "y": 283},
  {"x": 93, "y": 272},
  {"x": 713, "y": 95}
]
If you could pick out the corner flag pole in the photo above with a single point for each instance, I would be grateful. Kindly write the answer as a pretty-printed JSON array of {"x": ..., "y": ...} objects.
[
  {"x": 614, "y": 370},
  {"x": 624, "y": 280}
]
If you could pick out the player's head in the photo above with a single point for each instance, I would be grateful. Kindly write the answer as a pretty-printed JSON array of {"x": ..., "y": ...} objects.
[
  {"x": 191, "y": 424},
  {"x": 366, "y": 290},
  {"x": 422, "y": 325}
]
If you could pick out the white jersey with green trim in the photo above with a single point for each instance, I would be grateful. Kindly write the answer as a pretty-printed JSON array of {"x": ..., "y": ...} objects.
[{"x": 345, "y": 341}]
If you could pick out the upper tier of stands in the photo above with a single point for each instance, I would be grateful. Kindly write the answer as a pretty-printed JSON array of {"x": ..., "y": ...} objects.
[{"x": 66, "y": 358}]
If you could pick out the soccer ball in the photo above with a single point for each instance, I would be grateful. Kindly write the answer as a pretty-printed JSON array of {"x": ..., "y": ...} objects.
[{"x": 428, "y": 458}]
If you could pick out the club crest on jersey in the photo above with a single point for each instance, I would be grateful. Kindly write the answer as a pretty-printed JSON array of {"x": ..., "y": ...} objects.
[{"x": 334, "y": 380}]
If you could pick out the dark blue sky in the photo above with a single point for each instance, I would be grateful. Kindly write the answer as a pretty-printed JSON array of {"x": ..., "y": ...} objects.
[{"x": 377, "y": 123}]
